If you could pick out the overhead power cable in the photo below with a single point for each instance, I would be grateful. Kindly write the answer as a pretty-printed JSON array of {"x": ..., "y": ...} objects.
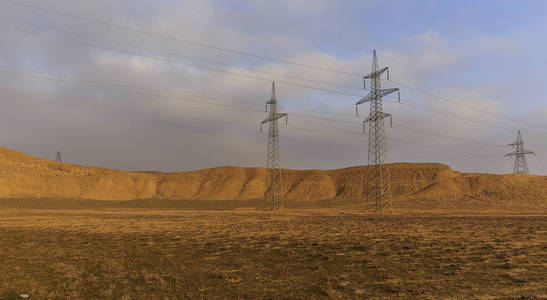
[
  {"x": 416, "y": 105},
  {"x": 163, "y": 36},
  {"x": 165, "y": 94},
  {"x": 334, "y": 132},
  {"x": 178, "y": 55},
  {"x": 464, "y": 118},
  {"x": 212, "y": 69},
  {"x": 185, "y": 41},
  {"x": 465, "y": 105},
  {"x": 167, "y": 60},
  {"x": 186, "y": 97}
]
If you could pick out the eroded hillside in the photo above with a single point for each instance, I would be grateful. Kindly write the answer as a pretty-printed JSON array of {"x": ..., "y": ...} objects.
[{"x": 414, "y": 185}]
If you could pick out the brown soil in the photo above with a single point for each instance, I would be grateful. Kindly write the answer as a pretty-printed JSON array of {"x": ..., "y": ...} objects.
[
  {"x": 450, "y": 236},
  {"x": 415, "y": 186},
  {"x": 288, "y": 254}
]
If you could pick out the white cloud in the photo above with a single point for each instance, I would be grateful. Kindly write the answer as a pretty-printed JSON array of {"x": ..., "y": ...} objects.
[{"x": 173, "y": 135}]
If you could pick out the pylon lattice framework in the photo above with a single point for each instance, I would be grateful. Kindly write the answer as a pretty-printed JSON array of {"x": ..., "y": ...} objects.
[
  {"x": 520, "y": 167},
  {"x": 58, "y": 157},
  {"x": 377, "y": 185},
  {"x": 273, "y": 196}
]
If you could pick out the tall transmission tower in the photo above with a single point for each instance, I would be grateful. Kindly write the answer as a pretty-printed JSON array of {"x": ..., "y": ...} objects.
[
  {"x": 273, "y": 196},
  {"x": 520, "y": 167},
  {"x": 377, "y": 186},
  {"x": 58, "y": 157}
]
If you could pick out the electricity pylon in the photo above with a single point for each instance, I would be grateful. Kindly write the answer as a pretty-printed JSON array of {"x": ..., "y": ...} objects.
[
  {"x": 520, "y": 167},
  {"x": 273, "y": 196},
  {"x": 377, "y": 186},
  {"x": 58, "y": 157}
]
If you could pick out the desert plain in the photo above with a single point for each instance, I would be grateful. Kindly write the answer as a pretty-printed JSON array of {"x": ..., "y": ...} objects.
[{"x": 74, "y": 232}]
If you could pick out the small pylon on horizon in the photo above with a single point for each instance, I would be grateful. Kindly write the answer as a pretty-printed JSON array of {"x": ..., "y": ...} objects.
[
  {"x": 520, "y": 166},
  {"x": 58, "y": 157}
]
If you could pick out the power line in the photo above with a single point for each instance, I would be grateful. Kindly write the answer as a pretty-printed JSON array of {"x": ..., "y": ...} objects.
[
  {"x": 334, "y": 132},
  {"x": 188, "y": 98},
  {"x": 147, "y": 92},
  {"x": 342, "y": 132},
  {"x": 163, "y": 36},
  {"x": 419, "y": 106},
  {"x": 465, "y": 105},
  {"x": 241, "y": 53},
  {"x": 167, "y": 60},
  {"x": 180, "y": 55},
  {"x": 407, "y": 129},
  {"x": 300, "y": 36},
  {"x": 118, "y": 88}
]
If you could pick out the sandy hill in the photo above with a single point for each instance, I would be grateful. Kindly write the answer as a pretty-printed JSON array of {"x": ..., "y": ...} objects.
[{"x": 414, "y": 185}]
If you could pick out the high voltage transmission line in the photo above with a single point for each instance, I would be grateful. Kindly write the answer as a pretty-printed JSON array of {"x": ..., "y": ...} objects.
[
  {"x": 412, "y": 104},
  {"x": 273, "y": 197},
  {"x": 239, "y": 52},
  {"x": 168, "y": 60},
  {"x": 342, "y": 132},
  {"x": 377, "y": 182},
  {"x": 178, "y": 55},
  {"x": 185, "y": 41},
  {"x": 184, "y": 98},
  {"x": 274, "y": 73},
  {"x": 335, "y": 132},
  {"x": 465, "y": 105},
  {"x": 406, "y": 101}
]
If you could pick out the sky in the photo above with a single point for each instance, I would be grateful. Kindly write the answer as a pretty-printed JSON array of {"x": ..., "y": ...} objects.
[{"x": 129, "y": 84}]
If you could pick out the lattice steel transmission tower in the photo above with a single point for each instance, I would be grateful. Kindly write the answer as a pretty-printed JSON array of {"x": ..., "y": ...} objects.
[
  {"x": 377, "y": 186},
  {"x": 520, "y": 167},
  {"x": 58, "y": 157},
  {"x": 273, "y": 196}
]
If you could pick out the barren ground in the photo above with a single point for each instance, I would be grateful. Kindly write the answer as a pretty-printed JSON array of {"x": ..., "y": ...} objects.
[{"x": 135, "y": 253}]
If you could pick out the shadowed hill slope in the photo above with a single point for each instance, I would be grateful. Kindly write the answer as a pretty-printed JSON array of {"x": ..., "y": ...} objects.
[{"x": 414, "y": 185}]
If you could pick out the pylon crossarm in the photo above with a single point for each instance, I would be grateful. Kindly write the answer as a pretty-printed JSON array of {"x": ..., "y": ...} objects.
[
  {"x": 277, "y": 117},
  {"x": 375, "y": 74},
  {"x": 383, "y": 115},
  {"x": 376, "y": 95},
  {"x": 520, "y": 153}
]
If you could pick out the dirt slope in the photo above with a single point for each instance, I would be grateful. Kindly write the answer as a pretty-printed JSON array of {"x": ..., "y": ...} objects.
[{"x": 414, "y": 185}]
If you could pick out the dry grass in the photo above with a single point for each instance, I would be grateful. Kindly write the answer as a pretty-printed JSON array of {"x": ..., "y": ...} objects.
[{"x": 118, "y": 253}]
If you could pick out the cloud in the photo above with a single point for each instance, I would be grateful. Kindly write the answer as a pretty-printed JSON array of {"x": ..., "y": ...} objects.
[{"x": 144, "y": 131}]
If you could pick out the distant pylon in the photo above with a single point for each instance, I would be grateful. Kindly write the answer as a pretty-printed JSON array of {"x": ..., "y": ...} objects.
[
  {"x": 520, "y": 167},
  {"x": 58, "y": 157},
  {"x": 377, "y": 186},
  {"x": 273, "y": 196}
]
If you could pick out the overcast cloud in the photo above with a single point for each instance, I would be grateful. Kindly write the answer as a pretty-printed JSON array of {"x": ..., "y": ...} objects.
[{"x": 137, "y": 114}]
